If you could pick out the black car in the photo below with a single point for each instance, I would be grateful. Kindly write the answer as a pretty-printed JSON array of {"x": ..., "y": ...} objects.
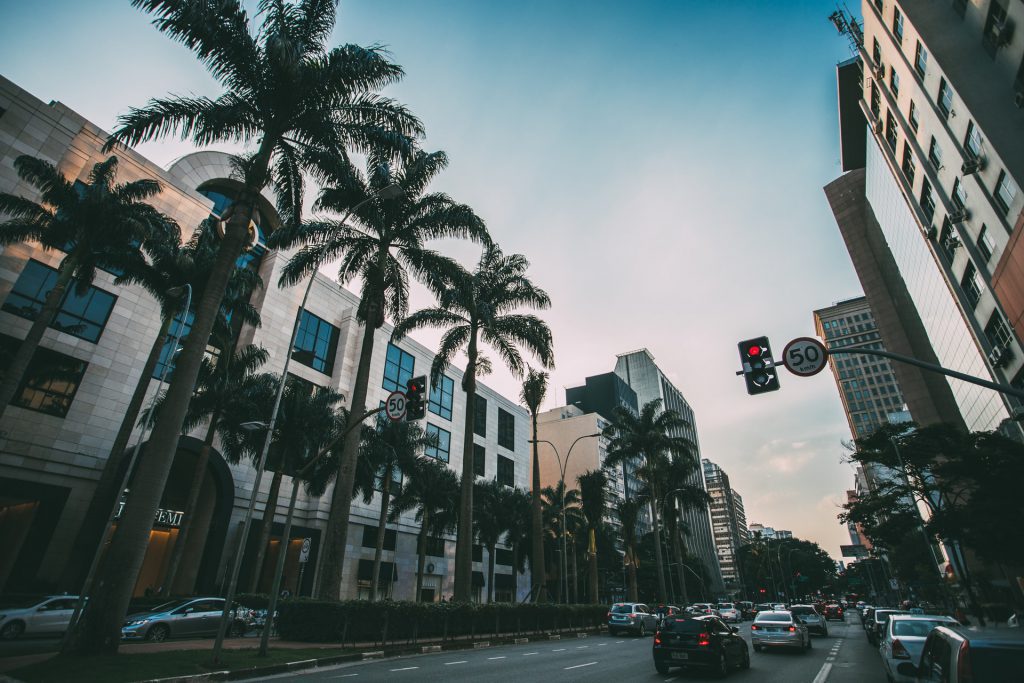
[{"x": 699, "y": 643}]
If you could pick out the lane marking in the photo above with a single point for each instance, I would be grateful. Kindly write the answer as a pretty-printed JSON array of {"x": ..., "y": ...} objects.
[
  {"x": 619, "y": 641},
  {"x": 345, "y": 676},
  {"x": 579, "y": 666},
  {"x": 823, "y": 674},
  {"x": 561, "y": 649},
  {"x": 459, "y": 662},
  {"x": 527, "y": 654},
  {"x": 501, "y": 657},
  {"x": 601, "y": 644},
  {"x": 406, "y": 668},
  {"x": 582, "y": 647}
]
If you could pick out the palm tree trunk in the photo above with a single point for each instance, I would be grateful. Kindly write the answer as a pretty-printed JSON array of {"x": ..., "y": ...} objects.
[
  {"x": 23, "y": 356},
  {"x": 421, "y": 561},
  {"x": 656, "y": 528},
  {"x": 490, "y": 573},
  {"x": 266, "y": 527},
  {"x": 385, "y": 499},
  {"x": 537, "y": 561},
  {"x": 178, "y": 551},
  {"x": 677, "y": 552},
  {"x": 464, "y": 539},
  {"x": 107, "y": 490},
  {"x": 592, "y": 569},
  {"x": 575, "y": 575},
  {"x": 99, "y": 631},
  {"x": 634, "y": 591}
]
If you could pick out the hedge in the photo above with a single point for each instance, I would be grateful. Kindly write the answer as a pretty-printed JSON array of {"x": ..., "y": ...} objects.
[{"x": 385, "y": 622}]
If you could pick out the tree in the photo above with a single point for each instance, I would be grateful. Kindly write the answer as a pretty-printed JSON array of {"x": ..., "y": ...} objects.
[
  {"x": 628, "y": 512},
  {"x": 558, "y": 504},
  {"x": 383, "y": 246},
  {"x": 678, "y": 473},
  {"x": 648, "y": 440},
  {"x": 489, "y": 523},
  {"x": 516, "y": 505},
  {"x": 477, "y": 307},
  {"x": 429, "y": 489},
  {"x": 535, "y": 388},
  {"x": 93, "y": 223},
  {"x": 594, "y": 502},
  {"x": 301, "y": 104}
]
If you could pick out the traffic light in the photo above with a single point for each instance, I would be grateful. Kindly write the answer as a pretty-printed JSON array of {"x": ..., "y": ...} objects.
[
  {"x": 758, "y": 366},
  {"x": 415, "y": 398}
]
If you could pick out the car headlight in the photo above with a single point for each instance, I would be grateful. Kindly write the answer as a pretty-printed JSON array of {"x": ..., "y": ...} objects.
[{"x": 138, "y": 622}]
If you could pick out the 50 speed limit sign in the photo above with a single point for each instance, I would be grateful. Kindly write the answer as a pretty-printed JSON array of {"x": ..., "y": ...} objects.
[
  {"x": 394, "y": 407},
  {"x": 805, "y": 356}
]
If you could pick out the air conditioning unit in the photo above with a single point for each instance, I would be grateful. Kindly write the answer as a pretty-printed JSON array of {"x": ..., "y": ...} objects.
[
  {"x": 932, "y": 233},
  {"x": 973, "y": 165},
  {"x": 959, "y": 216},
  {"x": 1000, "y": 356}
]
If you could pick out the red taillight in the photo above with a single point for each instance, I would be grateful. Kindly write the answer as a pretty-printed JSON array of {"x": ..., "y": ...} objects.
[
  {"x": 963, "y": 664},
  {"x": 657, "y": 637},
  {"x": 703, "y": 639},
  {"x": 632, "y": 616},
  {"x": 753, "y": 627},
  {"x": 792, "y": 629},
  {"x": 609, "y": 615},
  {"x": 898, "y": 651}
]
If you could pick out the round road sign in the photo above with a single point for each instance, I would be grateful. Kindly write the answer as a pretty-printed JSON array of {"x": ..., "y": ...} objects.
[
  {"x": 805, "y": 356},
  {"x": 395, "y": 406}
]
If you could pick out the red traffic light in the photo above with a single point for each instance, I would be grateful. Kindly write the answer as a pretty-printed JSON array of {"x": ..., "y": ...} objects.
[{"x": 754, "y": 351}]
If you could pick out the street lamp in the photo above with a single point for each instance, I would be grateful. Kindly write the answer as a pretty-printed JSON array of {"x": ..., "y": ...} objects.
[
  {"x": 390, "y": 191},
  {"x": 562, "y": 465}
]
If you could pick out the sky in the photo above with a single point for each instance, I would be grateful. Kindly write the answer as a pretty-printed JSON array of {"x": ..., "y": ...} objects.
[{"x": 660, "y": 163}]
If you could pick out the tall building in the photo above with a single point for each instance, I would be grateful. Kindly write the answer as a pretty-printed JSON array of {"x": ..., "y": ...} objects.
[
  {"x": 57, "y": 434},
  {"x": 769, "y": 533},
  {"x": 641, "y": 373},
  {"x": 867, "y": 384},
  {"x": 728, "y": 523},
  {"x": 932, "y": 219}
]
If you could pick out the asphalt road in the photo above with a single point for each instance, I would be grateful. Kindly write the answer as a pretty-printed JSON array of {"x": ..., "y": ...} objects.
[{"x": 843, "y": 657}]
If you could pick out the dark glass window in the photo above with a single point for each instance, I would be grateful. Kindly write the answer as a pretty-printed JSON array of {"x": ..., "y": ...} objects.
[
  {"x": 478, "y": 553},
  {"x": 254, "y": 254},
  {"x": 480, "y": 416},
  {"x": 972, "y": 141},
  {"x": 398, "y": 368},
  {"x": 914, "y": 117},
  {"x": 316, "y": 343},
  {"x": 876, "y": 52},
  {"x": 996, "y": 31},
  {"x": 50, "y": 381},
  {"x": 958, "y": 197},
  {"x": 997, "y": 332},
  {"x": 441, "y": 397},
  {"x": 935, "y": 154},
  {"x": 506, "y": 471},
  {"x": 894, "y": 83},
  {"x": 908, "y": 166},
  {"x": 80, "y": 316},
  {"x": 927, "y": 200},
  {"x": 1005, "y": 192},
  {"x": 890, "y": 131},
  {"x": 444, "y": 443},
  {"x": 876, "y": 100},
  {"x": 920, "y": 59},
  {"x": 878, "y": 5},
  {"x": 897, "y": 24},
  {"x": 945, "y": 99},
  {"x": 479, "y": 460},
  {"x": 370, "y": 537},
  {"x": 503, "y": 556},
  {"x": 308, "y": 388},
  {"x": 435, "y": 546},
  {"x": 971, "y": 283},
  {"x": 985, "y": 245},
  {"x": 506, "y": 430}
]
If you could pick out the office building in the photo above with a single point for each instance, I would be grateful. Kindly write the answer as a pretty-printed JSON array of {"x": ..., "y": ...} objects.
[
  {"x": 728, "y": 523},
  {"x": 758, "y": 530}
]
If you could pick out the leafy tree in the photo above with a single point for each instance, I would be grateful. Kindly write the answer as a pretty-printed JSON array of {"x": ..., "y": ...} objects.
[
  {"x": 535, "y": 388},
  {"x": 383, "y": 246},
  {"x": 477, "y": 307},
  {"x": 594, "y": 503},
  {"x": 489, "y": 523},
  {"x": 94, "y": 223}
]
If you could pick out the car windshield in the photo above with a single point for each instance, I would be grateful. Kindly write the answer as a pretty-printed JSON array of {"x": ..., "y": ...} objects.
[
  {"x": 168, "y": 606},
  {"x": 883, "y": 616},
  {"x": 773, "y": 616},
  {"x": 914, "y": 627},
  {"x": 802, "y": 611},
  {"x": 622, "y": 609},
  {"x": 15, "y": 602}
]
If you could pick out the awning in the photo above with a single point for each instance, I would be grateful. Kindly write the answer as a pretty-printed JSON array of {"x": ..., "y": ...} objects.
[
  {"x": 365, "y": 572},
  {"x": 478, "y": 579}
]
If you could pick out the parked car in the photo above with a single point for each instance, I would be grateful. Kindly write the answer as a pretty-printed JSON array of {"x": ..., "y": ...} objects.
[
  {"x": 699, "y": 643},
  {"x": 631, "y": 616},
  {"x": 878, "y": 623},
  {"x": 192, "y": 617},
  {"x": 904, "y": 640},
  {"x": 834, "y": 612},
  {"x": 809, "y": 617},
  {"x": 36, "y": 615},
  {"x": 953, "y": 654},
  {"x": 729, "y": 612},
  {"x": 778, "y": 629}
]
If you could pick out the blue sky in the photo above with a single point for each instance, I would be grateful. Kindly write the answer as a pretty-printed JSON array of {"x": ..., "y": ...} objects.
[{"x": 660, "y": 163}]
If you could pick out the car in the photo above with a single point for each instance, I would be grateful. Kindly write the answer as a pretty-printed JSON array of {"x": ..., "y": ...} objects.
[
  {"x": 904, "y": 639},
  {"x": 191, "y": 617},
  {"x": 953, "y": 654},
  {"x": 706, "y": 643},
  {"x": 633, "y": 617},
  {"x": 878, "y": 623},
  {"x": 834, "y": 612},
  {"x": 663, "y": 611},
  {"x": 36, "y": 615},
  {"x": 729, "y": 612},
  {"x": 762, "y": 607},
  {"x": 809, "y": 617},
  {"x": 866, "y": 614},
  {"x": 746, "y": 609},
  {"x": 778, "y": 607},
  {"x": 778, "y": 629}
]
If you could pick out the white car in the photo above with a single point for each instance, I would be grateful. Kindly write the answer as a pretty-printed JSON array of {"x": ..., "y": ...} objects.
[
  {"x": 904, "y": 640},
  {"x": 37, "y": 616},
  {"x": 729, "y": 612}
]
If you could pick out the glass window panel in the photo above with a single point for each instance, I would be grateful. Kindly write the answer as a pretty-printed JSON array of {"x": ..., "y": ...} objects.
[
  {"x": 398, "y": 368},
  {"x": 441, "y": 396},
  {"x": 316, "y": 343},
  {"x": 480, "y": 416},
  {"x": 1006, "y": 192},
  {"x": 83, "y": 316},
  {"x": 506, "y": 471},
  {"x": 506, "y": 430},
  {"x": 51, "y": 379},
  {"x": 444, "y": 440}
]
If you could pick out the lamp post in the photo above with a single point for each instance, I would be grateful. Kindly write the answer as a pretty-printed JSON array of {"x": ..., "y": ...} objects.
[
  {"x": 389, "y": 192},
  {"x": 562, "y": 464},
  {"x": 173, "y": 292}
]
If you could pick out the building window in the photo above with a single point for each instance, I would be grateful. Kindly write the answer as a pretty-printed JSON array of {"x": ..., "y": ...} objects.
[
  {"x": 444, "y": 443},
  {"x": 945, "y": 99},
  {"x": 971, "y": 284},
  {"x": 370, "y": 538},
  {"x": 897, "y": 24},
  {"x": 894, "y": 83},
  {"x": 170, "y": 350},
  {"x": 920, "y": 59},
  {"x": 909, "y": 168},
  {"x": 506, "y": 471},
  {"x": 876, "y": 52},
  {"x": 914, "y": 117},
  {"x": 996, "y": 31},
  {"x": 997, "y": 333},
  {"x": 935, "y": 154},
  {"x": 304, "y": 385},
  {"x": 316, "y": 343},
  {"x": 82, "y": 316},
  {"x": 435, "y": 546},
  {"x": 876, "y": 100},
  {"x": 50, "y": 381},
  {"x": 985, "y": 245},
  {"x": 503, "y": 556},
  {"x": 948, "y": 240},
  {"x": 972, "y": 141},
  {"x": 890, "y": 131},
  {"x": 506, "y": 430},
  {"x": 878, "y": 6},
  {"x": 480, "y": 416},
  {"x": 958, "y": 197},
  {"x": 441, "y": 397},
  {"x": 398, "y": 368},
  {"x": 478, "y": 552},
  {"x": 479, "y": 460},
  {"x": 1006, "y": 192},
  {"x": 927, "y": 201}
]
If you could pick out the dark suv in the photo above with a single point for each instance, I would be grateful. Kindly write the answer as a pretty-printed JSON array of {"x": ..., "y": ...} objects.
[{"x": 699, "y": 643}]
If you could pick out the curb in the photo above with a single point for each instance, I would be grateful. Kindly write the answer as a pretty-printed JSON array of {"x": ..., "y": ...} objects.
[
  {"x": 430, "y": 648},
  {"x": 520, "y": 641},
  {"x": 481, "y": 645},
  {"x": 555, "y": 636},
  {"x": 582, "y": 635},
  {"x": 368, "y": 655}
]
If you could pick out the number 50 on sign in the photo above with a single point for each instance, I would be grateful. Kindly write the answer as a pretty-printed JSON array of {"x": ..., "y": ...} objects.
[{"x": 805, "y": 356}]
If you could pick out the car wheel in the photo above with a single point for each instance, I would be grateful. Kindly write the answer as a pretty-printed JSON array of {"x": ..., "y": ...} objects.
[
  {"x": 12, "y": 630},
  {"x": 722, "y": 670},
  {"x": 661, "y": 667},
  {"x": 745, "y": 662},
  {"x": 643, "y": 630},
  {"x": 158, "y": 633}
]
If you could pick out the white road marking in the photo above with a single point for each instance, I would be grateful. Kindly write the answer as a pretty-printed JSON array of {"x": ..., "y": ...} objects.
[
  {"x": 578, "y": 666},
  {"x": 462, "y": 661},
  {"x": 501, "y": 657},
  {"x": 406, "y": 668},
  {"x": 561, "y": 649},
  {"x": 823, "y": 674},
  {"x": 601, "y": 644},
  {"x": 344, "y": 676},
  {"x": 619, "y": 641},
  {"x": 527, "y": 654},
  {"x": 582, "y": 647}
]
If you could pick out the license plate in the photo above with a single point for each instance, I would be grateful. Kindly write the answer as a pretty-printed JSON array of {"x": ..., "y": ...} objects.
[
  {"x": 680, "y": 655},
  {"x": 774, "y": 629}
]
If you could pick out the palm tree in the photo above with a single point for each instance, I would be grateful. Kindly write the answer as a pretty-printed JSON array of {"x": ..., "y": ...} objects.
[
  {"x": 382, "y": 248},
  {"x": 649, "y": 439},
  {"x": 592, "y": 490},
  {"x": 516, "y": 507},
  {"x": 301, "y": 104},
  {"x": 430, "y": 488},
  {"x": 390, "y": 450},
  {"x": 628, "y": 512},
  {"x": 480, "y": 307},
  {"x": 560, "y": 504},
  {"x": 489, "y": 523},
  {"x": 94, "y": 223},
  {"x": 535, "y": 388},
  {"x": 678, "y": 476}
]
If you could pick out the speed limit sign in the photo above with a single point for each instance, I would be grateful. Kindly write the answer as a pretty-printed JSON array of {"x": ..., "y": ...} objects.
[
  {"x": 395, "y": 406},
  {"x": 805, "y": 356}
]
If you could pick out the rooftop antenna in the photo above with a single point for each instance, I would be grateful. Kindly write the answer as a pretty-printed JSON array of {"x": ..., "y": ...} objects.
[{"x": 848, "y": 26}]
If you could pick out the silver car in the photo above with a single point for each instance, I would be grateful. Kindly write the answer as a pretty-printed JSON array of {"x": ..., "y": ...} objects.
[
  {"x": 634, "y": 617},
  {"x": 189, "y": 618},
  {"x": 904, "y": 641},
  {"x": 729, "y": 612},
  {"x": 808, "y": 615},
  {"x": 36, "y": 616},
  {"x": 778, "y": 629}
]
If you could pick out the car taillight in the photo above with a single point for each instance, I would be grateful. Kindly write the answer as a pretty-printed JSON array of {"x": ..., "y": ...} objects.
[
  {"x": 898, "y": 651},
  {"x": 609, "y": 616},
  {"x": 632, "y": 616},
  {"x": 753, "y": 627},
  {"x": 964, "y": 672},
  {"x": 657, "y": 637},
  {"x": 792, "y": 629},
  {"x": 704, "y": 639}
]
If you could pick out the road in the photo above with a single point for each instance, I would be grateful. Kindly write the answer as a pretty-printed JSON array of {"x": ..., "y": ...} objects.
[{"x": 843, "y": 657}]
